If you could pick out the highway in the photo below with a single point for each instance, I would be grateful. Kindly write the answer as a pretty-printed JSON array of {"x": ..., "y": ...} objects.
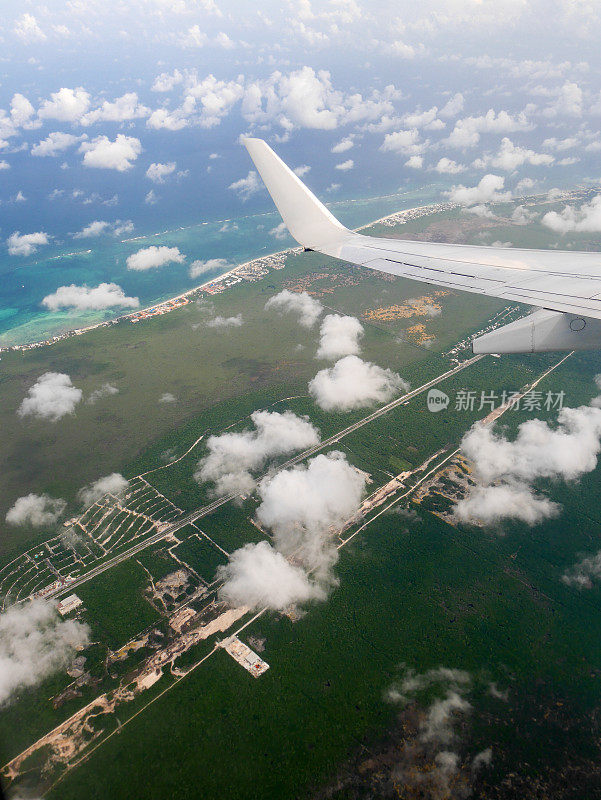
[{"x": 203, "y": 511}]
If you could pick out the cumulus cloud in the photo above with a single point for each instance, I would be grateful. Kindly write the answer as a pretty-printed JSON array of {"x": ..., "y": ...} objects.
[
  {"x": 353, "y": 383},
  {"x": 339, "y": 336},
  {"x": 258, "y": 576},
  {"x": 343, "y": 145},
  {"x": 511, "y": 156},
  {"x": 225, "y": 322},
  {"x": 280, "y": 231},
  {"x": 28, "y": 30},
  {"x": 87, "y": 298},
  {"x": 54, "y": 144},
  {"x": 584, "y": 573},
  {"x": 4, "y": 165},
  {"x": 167, "y": 397},
  {"x": 34, "y": 643},
  {"x": 302, "y": 304},
  {"x": 153, "y": 257},
  {"x": 303, "y": 505},
  {"x": 586, "y": 219},
  {"x": 99, "y": 227},
  {"x": 232, "y": 457},
  {"x": 488, "y": 190},
  {"x": 114, "y": 484},
  {"x": 25, "y": 244},
  {"x": 167, "y": 81},
  {"x": 344, "y": 166},
  {"x": 106, "y": 390},
  {"x": 52, "y": 397},
  {"x": 510, "y": 500},
  {"x": 38, "y": 510},
  {"x": 102, "y": 153},
  {"x": 198, "y": 268},
  {"x": 505, "y": 470},
  {"x": 67, "y": 105},
  {"x": 446, "y": 166},
  {"x": 246, "y": 187},
  {"x": 122, "y": 109},
  {"x": 403, "y": 141},
  {"x": 157, "y": 172},
  {"x": 467, "y": 131}
]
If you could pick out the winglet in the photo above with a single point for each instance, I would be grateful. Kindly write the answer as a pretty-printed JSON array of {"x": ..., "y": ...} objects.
[{"x": 307, "y": 219}]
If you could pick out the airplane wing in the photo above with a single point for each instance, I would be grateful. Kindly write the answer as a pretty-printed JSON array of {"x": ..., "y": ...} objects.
[{"x": 566, "y": 286}]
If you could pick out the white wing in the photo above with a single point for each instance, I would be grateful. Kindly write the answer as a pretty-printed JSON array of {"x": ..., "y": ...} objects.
[{"x": 567, "y": 283}]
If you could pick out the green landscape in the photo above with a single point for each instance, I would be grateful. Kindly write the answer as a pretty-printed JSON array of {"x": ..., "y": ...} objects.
[{"x": 414, "y": 591}]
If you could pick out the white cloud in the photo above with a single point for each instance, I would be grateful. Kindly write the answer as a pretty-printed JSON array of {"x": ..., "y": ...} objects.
[
  {"x": 339, "y": 336},
  {"x": 152, "y": 257},
  {"x": 102, "y": 153},
  {"x": 99, "y": 227},
  {"x": 34, "y": 643},
  {"x": 522, "y": 215},
  {"x": 467, "y": 131},
  {"x": 352, "y": 383},
  {"x": 114, "y": 484},
  {"x": 302, "y": 171},
  {"x": 447, "y": 166},
  {"x": 280, "y": 231},
  {"x": 54, "y": 144},
  {"x": 306, "y": 307},
  {"x": 415, "y": 162},
  {"x": 568, "y": 102},
  {"x": 404, "y": 142},
  {"x": 123, "y": 109},
  {"x": 584, "y": 572},
  {"x": 302, "y": 505},
  {"x": 232, "y": 457},
  {"x": 28, "y": 30},
  {"x": 258, "y": 576},
  {"x": 505, "y": 470},
  {"x": 586, "y": 219},
  {"x": 198, "y": 268},
  {"x": 344, "y": 166},
  {"x": 106, "y": 390},
  {"x": 4, "y": 165},
  {"x": 225, "y": 322},
  {"x": 86, "y": 298},
  {"x": 167, "y": 81},
  {"x": 151, "y": 198},
  {"x": 51, "y": 397},
  {"x": 491, "y": 504},
  {"x": 26, "y": 244},
  {"x": 248, "y": 186},
  {"x": 21, "y": 111},
  {"x": 453, "y": 106},
  {"x": 67, "y": 105},
  {"x": 488, "y": 190},
  {"x": 157, "y": 172},
  {"x": 167, "y": 397},
  {"x": 510, "y": 157},
  {"x": 343, "y": 145},
  {"x": 162, "y": 118},
  {"x": 38, "y": 510}
]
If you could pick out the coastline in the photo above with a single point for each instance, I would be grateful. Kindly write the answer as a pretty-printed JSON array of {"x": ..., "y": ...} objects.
[{"x": 252, "y": 270}]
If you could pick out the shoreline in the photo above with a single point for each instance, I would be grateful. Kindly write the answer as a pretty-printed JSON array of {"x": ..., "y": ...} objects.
[{"x": 252, "y": 270}]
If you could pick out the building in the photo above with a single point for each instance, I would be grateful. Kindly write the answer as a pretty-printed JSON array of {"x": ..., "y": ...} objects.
[{"x": 68, "y": 605}]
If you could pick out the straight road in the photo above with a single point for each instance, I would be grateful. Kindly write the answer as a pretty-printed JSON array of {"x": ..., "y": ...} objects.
[{"x": 203, "y": 511}]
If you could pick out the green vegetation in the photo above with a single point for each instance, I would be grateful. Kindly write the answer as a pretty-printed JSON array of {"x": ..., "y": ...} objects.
[
  {"x": 201, "y": 555},
  {"x": 115, "y": 603}
]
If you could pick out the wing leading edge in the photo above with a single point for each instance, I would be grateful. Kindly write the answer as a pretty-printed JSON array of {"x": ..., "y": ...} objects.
[{"x": 565, "y": 283}]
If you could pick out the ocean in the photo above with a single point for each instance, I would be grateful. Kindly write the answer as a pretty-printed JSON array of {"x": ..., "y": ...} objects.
[{"x": 24, "y": 282}]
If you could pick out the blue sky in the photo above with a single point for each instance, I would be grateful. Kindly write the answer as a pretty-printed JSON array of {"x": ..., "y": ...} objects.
[{"x": 124, "y": 118}]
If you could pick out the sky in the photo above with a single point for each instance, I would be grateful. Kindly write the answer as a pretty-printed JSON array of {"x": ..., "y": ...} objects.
[{"x": 124, "y": 119}]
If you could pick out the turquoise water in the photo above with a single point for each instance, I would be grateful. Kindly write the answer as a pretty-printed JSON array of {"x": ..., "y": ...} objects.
[{"x": 25, "y": 283}]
